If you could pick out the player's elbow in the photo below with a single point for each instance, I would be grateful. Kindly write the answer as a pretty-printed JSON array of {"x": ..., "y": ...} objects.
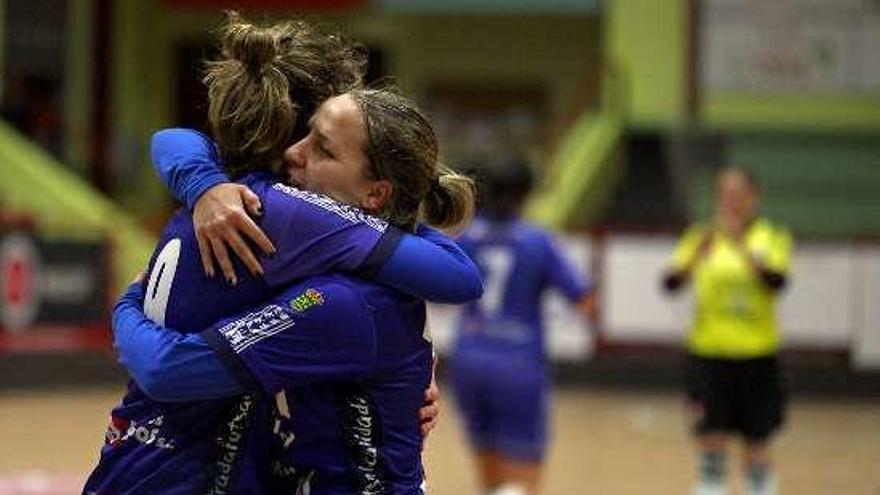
[
  {"x": 159, "y": 143},
  {"x": 473, "y": 290},
  {"x": 468, "y": 286}
]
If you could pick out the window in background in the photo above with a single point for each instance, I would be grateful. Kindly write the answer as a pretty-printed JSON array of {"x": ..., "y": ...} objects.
[{"x": 34, "y": 35}]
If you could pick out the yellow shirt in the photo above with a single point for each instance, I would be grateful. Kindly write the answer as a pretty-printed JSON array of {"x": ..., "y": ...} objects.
[{"x": 735, "y": 311}]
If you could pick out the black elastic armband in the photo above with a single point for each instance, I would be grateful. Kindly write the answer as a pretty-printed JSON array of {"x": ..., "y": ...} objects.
[
  {"x": 381, "y": 253},
  {"x": 773, "y": 280},
  {"x": 230, "y": 360},
  {"x": 673, "y": 281}
]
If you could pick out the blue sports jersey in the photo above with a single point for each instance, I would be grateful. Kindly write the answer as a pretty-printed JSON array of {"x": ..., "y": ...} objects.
[
  {"x": 497, "y": 366},
  {"x": 312, "y": 234},
  {"x": 151, "y": 444},
  {"x": 347, "y": 363},
  {"x": 155, "y": 447},
  {"x": 188, "y": 163},
  {"x": 519, "y": 262},
  {"x": 342, "y": 394}
]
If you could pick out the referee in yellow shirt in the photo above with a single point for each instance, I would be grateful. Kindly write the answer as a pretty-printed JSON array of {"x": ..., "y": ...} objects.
[{"x": 738, "y": 264}]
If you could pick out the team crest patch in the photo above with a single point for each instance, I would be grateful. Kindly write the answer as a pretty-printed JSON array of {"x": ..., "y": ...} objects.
[{"x": 308, "y": 299}]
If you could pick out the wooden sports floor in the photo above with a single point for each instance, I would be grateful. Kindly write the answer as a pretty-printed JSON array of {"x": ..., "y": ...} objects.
[{"x": 606, "y": 442}]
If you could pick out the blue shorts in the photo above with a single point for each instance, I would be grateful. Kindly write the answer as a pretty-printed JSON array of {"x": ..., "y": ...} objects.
[{"x": 503, "y": 403}]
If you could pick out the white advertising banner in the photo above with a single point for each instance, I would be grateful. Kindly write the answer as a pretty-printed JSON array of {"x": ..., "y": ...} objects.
[{"x": 790, "y": 45}]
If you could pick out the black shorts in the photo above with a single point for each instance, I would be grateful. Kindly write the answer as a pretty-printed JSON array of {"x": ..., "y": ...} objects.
[{"x": 744, "y": 396}]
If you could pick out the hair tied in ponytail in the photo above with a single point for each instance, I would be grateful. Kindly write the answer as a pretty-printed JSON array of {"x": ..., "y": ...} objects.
[
  {"x": 253, "y": 46},
  {"x": 441, "y": 192},
  {"x": 260, "y": 52}
]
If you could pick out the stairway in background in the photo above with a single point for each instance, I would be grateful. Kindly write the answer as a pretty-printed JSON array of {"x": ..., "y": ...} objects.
[
  {"x": 65, "y": 206},
  {"x": 583, "y": 174}
]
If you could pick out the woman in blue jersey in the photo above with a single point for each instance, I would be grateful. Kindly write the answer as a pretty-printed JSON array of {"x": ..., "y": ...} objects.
[
  {"x": 147, "y": 438},
  {"x": 262, "y": 93},
  {"x": 343, "y": 364},
  {"x": 497, "y": 363}
]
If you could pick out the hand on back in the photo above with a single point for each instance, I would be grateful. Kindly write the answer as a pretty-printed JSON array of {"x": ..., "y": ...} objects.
[{"x": 222, "y": 220}]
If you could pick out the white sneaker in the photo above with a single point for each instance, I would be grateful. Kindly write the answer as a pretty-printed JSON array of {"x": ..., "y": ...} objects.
[
  {"x": 510, "y": 489},
  {"x": 704, "y": 487}
]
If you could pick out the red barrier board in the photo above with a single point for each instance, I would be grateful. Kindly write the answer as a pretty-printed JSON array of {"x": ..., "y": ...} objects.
[{"x": 53, "y": 294}]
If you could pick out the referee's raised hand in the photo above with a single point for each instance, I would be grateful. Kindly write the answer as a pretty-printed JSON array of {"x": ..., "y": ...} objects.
[{"x": 222, "y": 219}]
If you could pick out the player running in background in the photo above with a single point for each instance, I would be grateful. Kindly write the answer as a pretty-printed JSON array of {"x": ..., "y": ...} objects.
[
  {"x": 497, "y": 364},
  {"x": 738, "y": 263},
  {"x": 160, "y": 447}
]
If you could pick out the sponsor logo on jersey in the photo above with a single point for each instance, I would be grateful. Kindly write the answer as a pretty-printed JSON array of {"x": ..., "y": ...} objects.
[
  {"x": 283, "y": 428},
  {"x": 146, "y": 433},
  {"x": 294, "y": 482},
  {"x": 115, "y": 430},
  {"x": 345, "y": 211},
  {"x": 308, "y": 299},
  {"x": 361, "y": 431},
  {"x": 254, "y": 327},
  {"x": 231, "y": 442}
]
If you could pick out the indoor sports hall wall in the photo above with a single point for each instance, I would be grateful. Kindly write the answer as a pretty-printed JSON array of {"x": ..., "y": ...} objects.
[
  {"x": 815, "y": 184},
  {"x": 422, "y": 49},
  {"x": 827, "y": 308},
  {"x": 725, "y": 65}
]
